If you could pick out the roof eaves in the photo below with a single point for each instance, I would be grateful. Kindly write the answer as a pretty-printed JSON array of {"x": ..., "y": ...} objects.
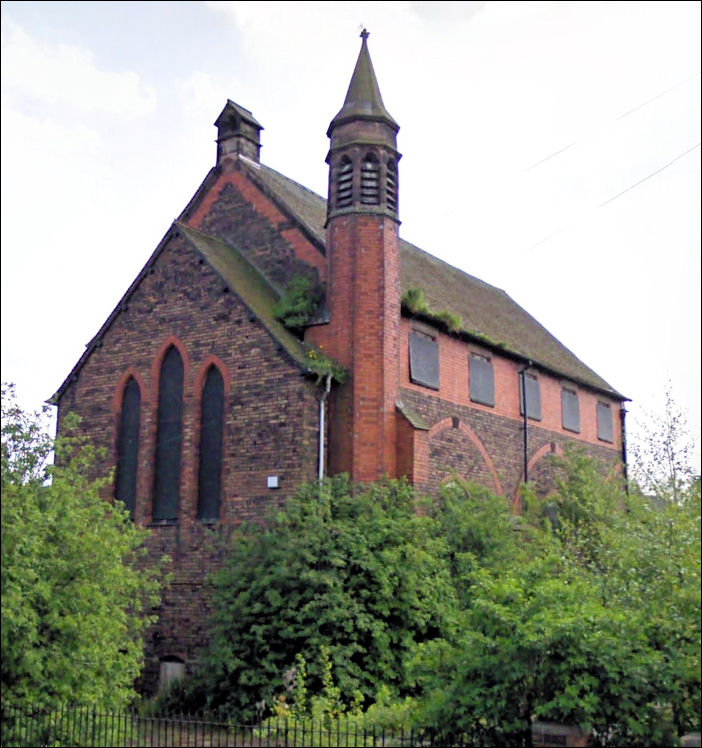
[{"x": 250, "y": 285}]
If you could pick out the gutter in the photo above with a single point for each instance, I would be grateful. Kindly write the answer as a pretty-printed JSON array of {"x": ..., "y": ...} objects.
[
  {"x": 625, "y": 466},
  {"x": 322, "y": 417}
]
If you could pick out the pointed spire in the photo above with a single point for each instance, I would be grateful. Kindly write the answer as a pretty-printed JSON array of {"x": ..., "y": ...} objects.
[{"x": 363, "y": 99}]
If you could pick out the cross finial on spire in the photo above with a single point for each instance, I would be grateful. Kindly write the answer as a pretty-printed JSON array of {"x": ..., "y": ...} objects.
[{"x": 365, "y": 34}]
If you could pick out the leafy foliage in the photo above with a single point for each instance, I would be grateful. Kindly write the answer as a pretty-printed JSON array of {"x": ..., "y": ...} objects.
[
  {"x": 462, "y": 620},
  {"x": 359, "y": 572},
  {"x": 74, "y": 602},
  {"x": 578, "y": 618},
  {"x": 298, "y": 304}
]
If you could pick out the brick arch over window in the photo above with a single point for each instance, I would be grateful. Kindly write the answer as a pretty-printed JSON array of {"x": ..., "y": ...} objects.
[
  {"x": 455, "y": 448},
  {"x": 540, "y": 472},
  {"x": 128, "y": 406},
  {"x": 212, "y": 384},
  {"x": 169, "y": 434}
]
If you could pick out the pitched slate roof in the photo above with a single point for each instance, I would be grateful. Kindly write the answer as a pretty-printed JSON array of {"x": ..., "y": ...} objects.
[
  {"x": 489, "y": 315},
  {"x": 240, "y": 275},
  {"x": 249, "y": 285}
]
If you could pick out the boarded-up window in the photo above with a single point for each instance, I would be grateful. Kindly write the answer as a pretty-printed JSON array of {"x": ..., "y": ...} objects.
[
  {"x": 482, "y": 379},
  {"x": 570, "y": 409},
  {"x": 128, "y": 446},
  {"x": 424, "y": 360},
  {"x": 169, "y": 437},
  {"x": 172, "y": 669},
  {"x": 604, "y": 422},
  {"x": 210, "y": 470},
  {"x": 529, "y": 387}
]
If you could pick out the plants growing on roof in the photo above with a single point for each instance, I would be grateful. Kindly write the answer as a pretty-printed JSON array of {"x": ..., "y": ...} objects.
[{"x": 299, "y": 302}]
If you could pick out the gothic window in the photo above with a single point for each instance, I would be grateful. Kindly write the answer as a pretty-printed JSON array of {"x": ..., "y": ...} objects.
[
  {"x": 128, "y": 446},
  {"x": 529, "y": 386},
  {"x": 169, "y": 437},
  {"x": 370, "y": 180},
  {"x": 570, "y": 409},
  {"x": 211, "y": 424},
  {"x": 604, "y": 422},
  {"x": 482, "y": 379},
  {"x": 391, "y": 187},
  {"x": 424, "y": 359},
  {"x": 344, "y": 183}
]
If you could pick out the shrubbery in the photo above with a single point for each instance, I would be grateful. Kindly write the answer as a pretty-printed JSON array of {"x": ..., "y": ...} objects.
[{"x": 462, "y": 619}]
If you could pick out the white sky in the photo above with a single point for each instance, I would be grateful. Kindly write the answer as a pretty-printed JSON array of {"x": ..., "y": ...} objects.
[{"x": 107, "y": 112}]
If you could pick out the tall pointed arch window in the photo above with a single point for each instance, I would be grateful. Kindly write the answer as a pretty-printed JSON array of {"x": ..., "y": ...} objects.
[
  {"x": 128, "y": 446},
  {"x": 391, "y": 186},
  {"x": 370, "y": 180},
  {"x": 211, "y": 426},
  {"x": 169, "y": 437},
  {"x": 344, "y": 183}
]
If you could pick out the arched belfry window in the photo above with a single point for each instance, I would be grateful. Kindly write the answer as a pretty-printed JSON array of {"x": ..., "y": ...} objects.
[
  {"x": 370, "y": 180},
  {"x": 391, "y": 186},
  {"x": 128, "y": 446},
  {"x": 211, "y": 426},
  {"x": 344, "y": 183},
  {"x": 169, "y": 436}
]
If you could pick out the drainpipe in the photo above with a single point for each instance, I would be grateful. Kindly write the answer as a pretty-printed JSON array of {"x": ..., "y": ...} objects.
[
  {"x": 522, "y": 384},
  {"x": 622, "y": 414},
  {"x": 322, "y": 415}
]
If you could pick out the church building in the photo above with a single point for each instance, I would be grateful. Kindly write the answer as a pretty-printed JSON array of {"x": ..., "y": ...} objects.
[{"x": 276, "y": 336}]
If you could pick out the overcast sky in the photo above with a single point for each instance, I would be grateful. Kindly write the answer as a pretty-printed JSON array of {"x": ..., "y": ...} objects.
[{"x": 550, "y": 149}]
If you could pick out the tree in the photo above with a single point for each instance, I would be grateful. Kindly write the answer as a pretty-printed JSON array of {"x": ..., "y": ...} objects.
[
  {"x": 661, "y": 453},
  {"x": 359, "y": 572},
  {"x": 587, "y": 615},
  {"x": 75, "y": 597}
]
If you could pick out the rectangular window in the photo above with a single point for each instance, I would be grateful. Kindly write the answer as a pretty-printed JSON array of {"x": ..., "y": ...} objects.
[
  {"x": 604, "y": 422},
  {"x": 570, "y": 409},
  {"x": 424, "y": 360},
  {"x": 481, "y": 379},
  {"x": 533, "y": 396}
]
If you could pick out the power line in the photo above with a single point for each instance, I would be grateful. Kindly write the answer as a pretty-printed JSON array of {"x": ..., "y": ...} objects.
[
  {"x": 652, "y": 174},
  {"x": 621, "y": 116},
  {"x": 658, "y": 96},
  {"x": 619, "y": 194}
]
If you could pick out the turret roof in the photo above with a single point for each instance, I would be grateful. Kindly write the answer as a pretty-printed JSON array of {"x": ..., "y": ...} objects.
[{"x": 363, "y": 99}]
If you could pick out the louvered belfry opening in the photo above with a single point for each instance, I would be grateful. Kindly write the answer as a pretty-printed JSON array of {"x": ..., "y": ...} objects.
[
  {"x": 370, "y": 180},
  {"x": 344, "y": 184},
  {"x": 391, "y": 186}
]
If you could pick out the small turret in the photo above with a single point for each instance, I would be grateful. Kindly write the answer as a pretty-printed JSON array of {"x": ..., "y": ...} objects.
[
  {"x": 363, "y": 151},
  {"x": 238, "y": 134}
]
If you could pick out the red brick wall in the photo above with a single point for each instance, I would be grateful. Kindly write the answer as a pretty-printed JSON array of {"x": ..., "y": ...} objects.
[
  {"x": 454, "y": 386},
  {"x": 271, "y": 421},
  {"x": 364, "y": 301},
  {"x": 485, "y": 443},
  {"x": 238, "y": 212}
]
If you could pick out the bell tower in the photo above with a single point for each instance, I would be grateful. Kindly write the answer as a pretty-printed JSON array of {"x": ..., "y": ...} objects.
[{"x": 363, "y": 285}]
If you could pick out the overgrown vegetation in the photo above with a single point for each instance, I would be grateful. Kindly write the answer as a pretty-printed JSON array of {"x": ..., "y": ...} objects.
[
  {"x": 359, "y": 572},
  {"x": 298, "y": 304},
  {"x": 462, "y": 620},
  {"x": 75, "y": 597},
  {"x": 450, "y": 617}
]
